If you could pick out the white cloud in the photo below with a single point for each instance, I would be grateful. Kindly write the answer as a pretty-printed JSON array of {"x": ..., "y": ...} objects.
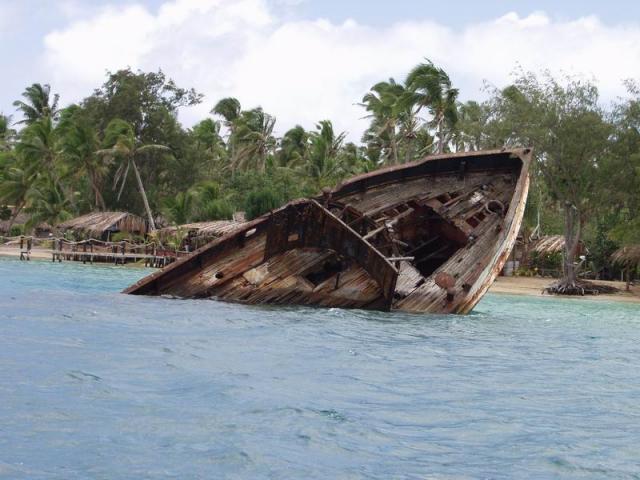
[
  {"x": 79, "y": 56},
  {"x": 304, "y": 71}
]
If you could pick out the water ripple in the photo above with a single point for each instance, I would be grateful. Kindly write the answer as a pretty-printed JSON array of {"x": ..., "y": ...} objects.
[{"x": 95, "y": 384}]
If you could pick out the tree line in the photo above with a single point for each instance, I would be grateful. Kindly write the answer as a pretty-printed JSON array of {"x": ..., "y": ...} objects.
[{"x": 123, "y": 148}]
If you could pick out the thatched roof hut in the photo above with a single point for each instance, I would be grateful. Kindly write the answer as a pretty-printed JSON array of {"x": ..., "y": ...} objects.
[
  {"x": 628, "y": 256},
  {"x": 549, "y": 245},
  {"x": 104, "y": 224},
  {"x": 42, "y": 229},
  {"x": 194, "y": 235},
  {"x": 212, "y": 229},
  {"x": 21, "y": 219}
]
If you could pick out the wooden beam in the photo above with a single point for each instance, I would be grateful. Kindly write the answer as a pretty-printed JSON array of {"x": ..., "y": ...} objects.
[{"x": 389, "y": 223}]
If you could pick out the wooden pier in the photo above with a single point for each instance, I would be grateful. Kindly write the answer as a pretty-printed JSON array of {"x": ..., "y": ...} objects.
[
  {"x": 97, "y": 251},
  {"x": 155, "y": 261}
]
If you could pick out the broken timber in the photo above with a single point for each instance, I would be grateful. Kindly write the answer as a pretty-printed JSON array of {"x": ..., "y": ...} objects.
[{"x": 429, "y": 236}]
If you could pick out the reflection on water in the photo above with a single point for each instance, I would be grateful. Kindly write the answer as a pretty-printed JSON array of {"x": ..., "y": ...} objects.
[{"x": 95, "y": 384}]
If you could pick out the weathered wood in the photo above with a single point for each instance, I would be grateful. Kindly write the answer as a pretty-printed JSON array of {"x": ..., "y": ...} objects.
[
  {"x": 313, "y": 226},
  {"x": 433, "y": 219}
]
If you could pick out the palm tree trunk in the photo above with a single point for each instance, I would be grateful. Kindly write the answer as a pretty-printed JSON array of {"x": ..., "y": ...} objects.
[
  {"x": 99, "y": 199},
  {"x": 152, "y": 225},
  {"x": 628, "y": 285},
  {"x": 440, "y": 134},
  {"x": 394, "y": 142},
  {"x": 232, "y": 147},
  {"x": 15, "y": 216},
  {"x": 124, "y": 180},
  {"x": 571, "y": 240},
  {"x": 409, "y": 149}
]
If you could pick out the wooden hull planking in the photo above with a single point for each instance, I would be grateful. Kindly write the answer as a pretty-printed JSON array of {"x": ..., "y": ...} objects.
[{"x": 425, "y": 237}]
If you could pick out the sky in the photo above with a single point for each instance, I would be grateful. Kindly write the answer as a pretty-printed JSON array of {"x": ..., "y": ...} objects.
[{"x": 309, "y": 60}]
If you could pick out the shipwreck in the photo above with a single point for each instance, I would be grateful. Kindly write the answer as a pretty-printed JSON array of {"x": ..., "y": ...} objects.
[{"x": 428, "y": 236}]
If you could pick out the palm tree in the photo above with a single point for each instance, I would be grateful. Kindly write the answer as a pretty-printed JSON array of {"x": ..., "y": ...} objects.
[
  {"x": 294, "y": 147},
  {"x": 229, "y": 109},
  {"x": 254, "y": 137},
  {"x": 6, "y": 133},
  {"x": 210, "y": 146},
  {"x": 371, "y": 155},
  {"x": 123, "y": 145},
  {"x": 323, "y": 164},
  {"x": 410, "y": 126},
  {"x": 37, "y": 147},
  {"x": 350, "y": 157},
  {"x": 36, "y": 165},
  {"x": 14, "y": 190},
  {"x": 472, "y": 126},
  {"x": 385, "y": 110},
  {"x": 38, "y": 103},
  {"x": 430, "y": 87},
  {"x": 47, "y": 202},
  {"x": 179, "y": 208},
  {"x": 79, "y": 145},
  {"x": 423, "y": 142}
]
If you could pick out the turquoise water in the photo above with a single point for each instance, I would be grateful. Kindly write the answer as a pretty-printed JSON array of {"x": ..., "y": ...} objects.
[{"x": 99, "y": 385}]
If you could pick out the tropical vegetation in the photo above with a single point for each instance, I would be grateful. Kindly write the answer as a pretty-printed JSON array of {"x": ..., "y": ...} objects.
[{"x": 123, "y": 148}]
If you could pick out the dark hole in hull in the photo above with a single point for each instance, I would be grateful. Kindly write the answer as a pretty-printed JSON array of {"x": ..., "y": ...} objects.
[
  {"x": 431, "y": 239},
  {"x": 324, "y": 271}
]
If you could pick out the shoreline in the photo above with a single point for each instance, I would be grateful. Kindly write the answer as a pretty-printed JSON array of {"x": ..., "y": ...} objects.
[
  {"x": 533, "y": 287},
  {"x": 520, "y": 286},
  {"x": 36, "y": 253}
]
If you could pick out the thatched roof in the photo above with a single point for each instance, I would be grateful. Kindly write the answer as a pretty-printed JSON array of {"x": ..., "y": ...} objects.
[
  {"x": 240, "y": 217},
  {"x": 21, "y": 219},
  {"x": 549, "y": 244},
  {"x": 555, "y": 244},
  {"x": 97, "y": 223},
  {"x": 211, "y": 229},
  {"x": 628, "y": 256}
]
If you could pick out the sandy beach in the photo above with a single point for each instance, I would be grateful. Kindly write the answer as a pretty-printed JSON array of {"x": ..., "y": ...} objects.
[
  {"x": 36, "y": 253},
  {"x": 533, "y": 286},
  {"x": 530, "y": 286}
]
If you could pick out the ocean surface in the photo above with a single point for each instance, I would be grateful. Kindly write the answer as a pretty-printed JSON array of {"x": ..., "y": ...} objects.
[{"x": 98, "y": 385}]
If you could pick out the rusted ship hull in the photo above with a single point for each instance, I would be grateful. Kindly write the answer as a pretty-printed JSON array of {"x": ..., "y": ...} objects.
[{"x": 430, "y": 236}]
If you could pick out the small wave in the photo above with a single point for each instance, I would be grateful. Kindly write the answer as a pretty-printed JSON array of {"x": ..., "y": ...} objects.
[
  {"x": 333, "y": 415},
  {"x": 82, "y": 376}
]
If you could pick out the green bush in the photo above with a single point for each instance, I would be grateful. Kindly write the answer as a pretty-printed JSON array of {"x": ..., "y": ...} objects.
[
  {"x": 524, "y": 272},
  {"x": 16, "y": 230},
  {"x": 552, "y": 261},
  {"x": 218, "y": 209},
  {"x": 261, "y": 201},
  {"x": 130, "y": 237},
  {"x": 257, "y": 193},
  {"x": 5, "y": 212},
  {"x": 176, "y": 240}
]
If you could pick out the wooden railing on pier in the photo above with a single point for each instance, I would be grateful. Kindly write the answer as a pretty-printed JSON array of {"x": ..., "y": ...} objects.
[{"x": 93, "y": 250}]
